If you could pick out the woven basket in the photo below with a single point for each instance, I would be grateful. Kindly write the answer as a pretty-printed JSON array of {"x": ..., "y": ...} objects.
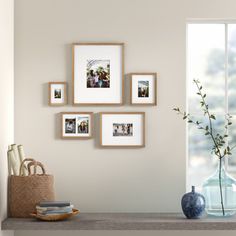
[{"x": 25, "y": 192}]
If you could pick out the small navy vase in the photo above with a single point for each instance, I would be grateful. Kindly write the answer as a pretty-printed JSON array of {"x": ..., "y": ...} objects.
[{"x": 193, "y": 204}]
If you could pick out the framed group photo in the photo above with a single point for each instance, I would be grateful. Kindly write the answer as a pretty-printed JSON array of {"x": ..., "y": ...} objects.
[
  {"x": 122, "y": 129},
  {"x": 57, "y": 93},
  {"x": 143, "y": 89},
  {"x": 98, "y": 73},
  {"x": 78, "y": 125}
]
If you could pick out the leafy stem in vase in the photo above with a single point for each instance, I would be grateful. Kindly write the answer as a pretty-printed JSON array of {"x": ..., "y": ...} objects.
[{"x": 219, "y": 148}]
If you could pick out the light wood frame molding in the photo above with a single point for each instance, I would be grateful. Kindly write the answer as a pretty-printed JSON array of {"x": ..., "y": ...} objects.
[
  {"x": 123, "y": 113},
  {"x": 155, "y": 76},
  {"x": 65, "y": 94},
  {"x": 122, "y": 73},
  {"x": 91, "y": 114}
]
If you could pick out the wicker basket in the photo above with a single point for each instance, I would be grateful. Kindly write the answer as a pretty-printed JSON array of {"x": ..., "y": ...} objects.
[
  {"x": 55, "y": 217},
  {"x": 25, "y": 192}
]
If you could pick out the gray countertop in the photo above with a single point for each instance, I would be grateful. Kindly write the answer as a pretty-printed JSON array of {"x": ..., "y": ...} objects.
[{"x": 123, "y": 221}]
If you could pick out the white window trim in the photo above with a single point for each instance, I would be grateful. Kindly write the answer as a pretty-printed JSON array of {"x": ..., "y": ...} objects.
[{"x": 226, "y": 22}]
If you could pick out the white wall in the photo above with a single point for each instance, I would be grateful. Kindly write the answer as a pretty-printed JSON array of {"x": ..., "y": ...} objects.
[
  {"x": 6, "y": 97},
  {"x": 95, "y": 179}
]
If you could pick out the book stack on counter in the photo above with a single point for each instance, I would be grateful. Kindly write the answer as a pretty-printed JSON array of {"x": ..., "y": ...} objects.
[{"x": 47, "y": 208}]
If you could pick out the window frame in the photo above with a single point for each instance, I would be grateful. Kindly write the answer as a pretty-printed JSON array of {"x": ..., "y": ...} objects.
[{"x": 226, "y": 23}]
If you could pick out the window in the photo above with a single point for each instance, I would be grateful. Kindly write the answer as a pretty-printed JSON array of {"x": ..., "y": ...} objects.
[{"x": 211, "y": 58}]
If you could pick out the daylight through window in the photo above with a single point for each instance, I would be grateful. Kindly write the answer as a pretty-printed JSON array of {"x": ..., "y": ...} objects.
[{"x": 211, "y": 58}]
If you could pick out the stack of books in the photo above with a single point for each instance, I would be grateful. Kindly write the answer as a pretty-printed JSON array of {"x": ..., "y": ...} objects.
[{"x": 47, "y": 208}]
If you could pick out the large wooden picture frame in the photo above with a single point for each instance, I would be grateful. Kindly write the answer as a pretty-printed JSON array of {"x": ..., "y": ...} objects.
[
  {"x": 76, "y": 125},
  {"x": 122, "y": 129},
  {"x": 98, "y": 73},
  {"x": 143, "y": 89}
]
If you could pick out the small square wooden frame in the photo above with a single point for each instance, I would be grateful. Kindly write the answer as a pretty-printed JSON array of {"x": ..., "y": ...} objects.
[
  {"x": 155, "y": 76},
  {"x": 49, "y": 94}
]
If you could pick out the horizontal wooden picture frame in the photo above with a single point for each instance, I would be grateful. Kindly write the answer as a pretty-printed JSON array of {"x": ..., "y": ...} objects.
[
  {"x": 122, "y": 129},
  {"x": 143, "y": 89},
  {"x": 57, "y": 93},
  {"x": 98, "y": 73},
  {"x": 77, "y": 125}
]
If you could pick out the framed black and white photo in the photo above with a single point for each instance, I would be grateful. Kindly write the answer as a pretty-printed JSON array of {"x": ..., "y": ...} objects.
[
  {"x": 143, "y": 88},
  {"x": 57, "y": 93},
  {"x": 122, "y": 129},
  {"x": 98, "y": 73},
  {"x": 77, "y": 125}
]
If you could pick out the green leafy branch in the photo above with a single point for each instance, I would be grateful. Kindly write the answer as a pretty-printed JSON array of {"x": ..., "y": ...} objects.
[
  {"x": 220, "y": 146},
  {"x": 220, "y": 149}
]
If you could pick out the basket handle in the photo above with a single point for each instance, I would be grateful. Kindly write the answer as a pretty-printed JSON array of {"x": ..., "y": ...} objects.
[
  {"x": 35, "y": 164},
  {"x": 22, "y": 164}
]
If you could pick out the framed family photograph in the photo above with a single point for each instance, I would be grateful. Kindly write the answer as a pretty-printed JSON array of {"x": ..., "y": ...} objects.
[
  {"x": 57, "y": 93},
  {"x": 143, "y": 88},
  {"x": 122, "y": 129},
  {"x": 98, "y": 73},
  {"x": 77, "y": 125}
]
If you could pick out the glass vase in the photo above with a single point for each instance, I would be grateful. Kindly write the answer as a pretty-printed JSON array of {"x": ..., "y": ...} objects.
[{"x": 214, "y": 195}]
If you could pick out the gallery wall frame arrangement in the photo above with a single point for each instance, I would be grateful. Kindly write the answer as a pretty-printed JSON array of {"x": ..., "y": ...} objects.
[
  {"x": 98, "y": 73},
  {"x": 122, "y": 129},
  {"x": 143, "y": 89},
  {"x": 57, "y": 93},
  {"x": 76, "y": 125},
  {"x": 98, "y": 79}
]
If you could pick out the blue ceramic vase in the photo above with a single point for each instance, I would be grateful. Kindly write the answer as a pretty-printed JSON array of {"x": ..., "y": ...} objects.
[{"x": 193, "y": 204}]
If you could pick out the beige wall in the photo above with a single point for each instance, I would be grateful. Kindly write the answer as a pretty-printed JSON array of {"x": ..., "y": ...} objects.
[
  {"x": 6, "y": 98},
  {"x": 107, "y": 180},
  {"x": 97, "y": 179}
]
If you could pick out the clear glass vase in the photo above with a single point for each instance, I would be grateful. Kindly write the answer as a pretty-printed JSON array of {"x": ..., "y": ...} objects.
[{"x": 214, "y": 194}]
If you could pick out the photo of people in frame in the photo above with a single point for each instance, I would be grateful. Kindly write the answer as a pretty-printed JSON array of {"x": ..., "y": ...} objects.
[
  {"x": 57, "y": 93},
  {"x": 70, "y": 126},
  {"x": 98, "y": 74},
  {"x": 143, "y": 88},
  {"x": 122, "y": 129},
  {"x": 82, "y": 125}
]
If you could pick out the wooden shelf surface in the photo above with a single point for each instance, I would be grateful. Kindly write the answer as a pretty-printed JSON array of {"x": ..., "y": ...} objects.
[{"x": 123, "y": 221}]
